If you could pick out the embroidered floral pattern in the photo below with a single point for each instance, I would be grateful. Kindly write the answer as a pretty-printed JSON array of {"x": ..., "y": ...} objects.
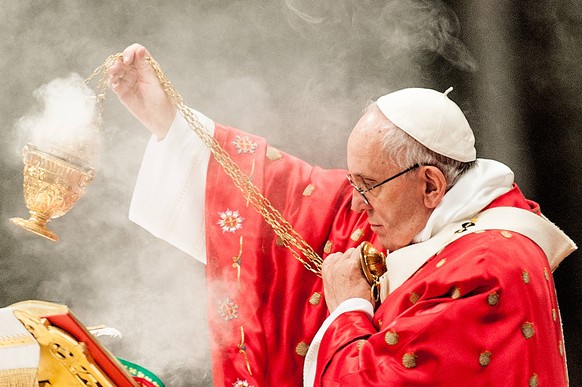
[
  {"x": 230, "y": 221},
  {"x": 228, "y": 309},
  {"x": 244, "y": 145},
  {"x": 241, "y": 383}
]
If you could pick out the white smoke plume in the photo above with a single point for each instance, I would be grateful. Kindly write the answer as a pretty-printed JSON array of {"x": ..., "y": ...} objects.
[
  {"x": 66, "y": 124},
  {"x": 298, "y": 72}
]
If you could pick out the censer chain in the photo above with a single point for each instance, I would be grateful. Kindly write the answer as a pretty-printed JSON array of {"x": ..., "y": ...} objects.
[{"x": 288, "y": 236}]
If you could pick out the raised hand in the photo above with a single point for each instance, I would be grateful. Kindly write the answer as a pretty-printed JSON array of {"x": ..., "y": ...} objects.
[{"x": 134, "y": 82}]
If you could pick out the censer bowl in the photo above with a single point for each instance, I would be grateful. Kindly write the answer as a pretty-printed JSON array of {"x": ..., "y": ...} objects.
[
  {"x": 373, "y": 263},
  {"x": 51, "y": 187}
]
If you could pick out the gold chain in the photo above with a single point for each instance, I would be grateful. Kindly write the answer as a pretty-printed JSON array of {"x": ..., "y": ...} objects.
[
  {"x": 290, "y": 238},
  {"x": 102, "y": 83}
]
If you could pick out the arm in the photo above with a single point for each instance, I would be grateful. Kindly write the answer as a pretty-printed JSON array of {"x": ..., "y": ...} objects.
[
  {"x": 168, "y": 199},
  {"x": 169, "y": 194}
]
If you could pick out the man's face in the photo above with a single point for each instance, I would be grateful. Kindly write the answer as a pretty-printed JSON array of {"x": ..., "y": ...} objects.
[{"x": 396, "y": 210}]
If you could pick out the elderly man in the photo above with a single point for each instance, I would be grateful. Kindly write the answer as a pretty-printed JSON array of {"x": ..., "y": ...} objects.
[{"x": 468, "y": 296}]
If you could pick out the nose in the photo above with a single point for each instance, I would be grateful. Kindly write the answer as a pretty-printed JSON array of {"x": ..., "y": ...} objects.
[{"x": 358, "y": 203}]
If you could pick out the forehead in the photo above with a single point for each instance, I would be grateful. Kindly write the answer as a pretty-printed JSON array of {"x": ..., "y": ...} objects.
[{"x": 364, "y": 151}]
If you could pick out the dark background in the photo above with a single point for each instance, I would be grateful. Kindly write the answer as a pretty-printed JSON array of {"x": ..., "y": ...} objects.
[{"x": 298, "y": 72}]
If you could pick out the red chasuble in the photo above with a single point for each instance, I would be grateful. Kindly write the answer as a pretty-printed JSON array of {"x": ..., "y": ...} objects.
[
  {"x": 482, "y": 312},
  {"x": 264, "y": 305}
]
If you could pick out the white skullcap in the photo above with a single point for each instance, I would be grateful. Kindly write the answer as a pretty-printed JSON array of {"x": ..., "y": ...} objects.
[{"x": 432, "y": 119}]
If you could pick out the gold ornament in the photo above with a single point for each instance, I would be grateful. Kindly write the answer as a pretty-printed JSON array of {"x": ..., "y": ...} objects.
[
  {"x": 373, "y": 264},
  {"x": 51, "y": 186},
  {"x": 55, "y": 180}
]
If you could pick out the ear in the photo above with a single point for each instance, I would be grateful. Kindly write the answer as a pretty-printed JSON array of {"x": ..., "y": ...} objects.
[{"x": 435, "y": 186}]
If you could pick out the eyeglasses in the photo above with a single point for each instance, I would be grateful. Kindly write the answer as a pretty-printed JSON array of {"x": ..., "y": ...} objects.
[{"x": 363, "y": 191}]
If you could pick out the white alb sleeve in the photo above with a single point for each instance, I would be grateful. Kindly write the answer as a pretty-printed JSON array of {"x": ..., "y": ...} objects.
[
  {"x": 349, "y": 305},
  {"x": 168, "y": 199}
]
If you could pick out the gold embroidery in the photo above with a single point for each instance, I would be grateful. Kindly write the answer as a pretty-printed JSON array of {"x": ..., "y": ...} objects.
[
  {"x": 360, "y": 344},
  {"x": 561, "y": 348},
  {"x": 236, "y": 261},
  {"x": 273, "y": 154},
  {"x": 242, "y": 348},
  {"x": 533, "y": 381},
  {"x": 506, "y": 234},
  {"x": 455, "y": 292},
  {"x": 391, "y": 338},
  {"x": 546, "y": 274},
  {"x": 327, "y": 247},
  {"x": 525, "y": 276},
  {"x": 309, "y": 190},
  {"x": 493, "y": 298},
  {"x": 16, "y": 340},
  {"x": 357, "y": 235},
  {"x": 380, "y": 322},
  {"x": 414, "y": 297},
  {"x": 484, "y": 358},
  {"x": 241, "y": 383},
  {"x": 315, "y": 298},
  {"x": 554, "y": 314},
  {"x": 21, "y": 377},
  {"x": 409, "y": 360},
  {"x": 230, "y": 221},
  {"x": 441, "y": 262},
  {"x": 528, "y": 330},
  {"x": 228, "y": 309},
  {"x": 243, "y": 144},
  {"x": 302, "y": 349}
]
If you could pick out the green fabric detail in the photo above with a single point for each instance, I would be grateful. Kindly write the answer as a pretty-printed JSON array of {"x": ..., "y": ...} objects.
[{"x": 141, "y": 372}]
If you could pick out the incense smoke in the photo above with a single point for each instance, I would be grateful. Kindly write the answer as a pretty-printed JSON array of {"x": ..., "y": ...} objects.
[
  {"x": 295, "y": 71},
  {"x": 66, "y": 126}
]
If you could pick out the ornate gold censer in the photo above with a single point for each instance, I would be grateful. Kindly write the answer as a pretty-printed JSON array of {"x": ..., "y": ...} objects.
[
  {"x": 56, "y": 174},
  {"x": 52, "y": 185}
]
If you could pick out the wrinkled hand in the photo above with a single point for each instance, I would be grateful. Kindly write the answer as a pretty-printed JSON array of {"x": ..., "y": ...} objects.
[
  {"x": 134, "y": 82},
  {"x": 343, "y": 278}
]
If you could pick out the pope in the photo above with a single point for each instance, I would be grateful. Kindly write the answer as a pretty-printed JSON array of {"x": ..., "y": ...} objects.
[{"x": 468, "y": 296}]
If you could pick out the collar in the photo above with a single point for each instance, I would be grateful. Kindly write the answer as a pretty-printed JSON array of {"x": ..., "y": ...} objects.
[
  {"x": 403, "y": 263},
  {"x": 474, "y": 190}
]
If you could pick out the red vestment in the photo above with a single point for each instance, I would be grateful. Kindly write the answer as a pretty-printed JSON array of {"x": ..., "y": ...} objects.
[
  {"x": 264, "y": 306},
  {"x": 481, "y": 312}
]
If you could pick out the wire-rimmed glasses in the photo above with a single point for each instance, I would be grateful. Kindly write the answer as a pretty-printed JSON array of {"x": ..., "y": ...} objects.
[{"x": 362, "y": 191}]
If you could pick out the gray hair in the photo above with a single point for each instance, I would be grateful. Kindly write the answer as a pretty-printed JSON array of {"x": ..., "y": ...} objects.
[{"x": 404, "y": 151}]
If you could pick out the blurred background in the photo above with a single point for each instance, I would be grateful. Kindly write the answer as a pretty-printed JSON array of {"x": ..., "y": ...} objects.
[{"x": 298, "y": 72}]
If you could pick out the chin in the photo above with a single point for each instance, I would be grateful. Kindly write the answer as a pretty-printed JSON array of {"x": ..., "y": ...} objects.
[
  {"x": 388, "y": 245},
  {"x": 385, "y": 239}
]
